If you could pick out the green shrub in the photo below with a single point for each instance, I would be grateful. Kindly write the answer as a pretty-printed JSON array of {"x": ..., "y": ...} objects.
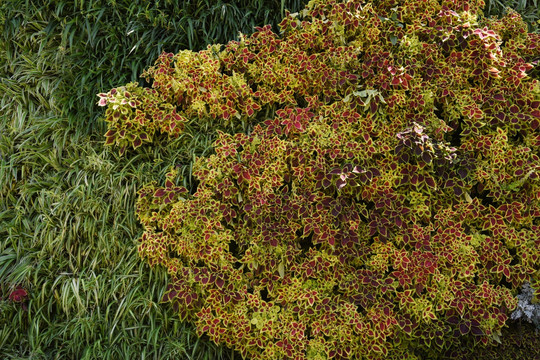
[{"x": 374, "y": 190}]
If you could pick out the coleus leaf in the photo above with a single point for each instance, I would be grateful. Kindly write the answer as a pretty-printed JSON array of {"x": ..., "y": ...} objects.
[{"x": 159, "y": 193}]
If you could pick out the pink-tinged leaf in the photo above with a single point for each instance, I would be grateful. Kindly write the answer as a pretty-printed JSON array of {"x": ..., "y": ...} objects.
[
  {"x": 159, "y": 193},
  {"x": 102, "y": 102},
  {"x": 340, "y": 184},
  {"x": 18, "y": 295}
]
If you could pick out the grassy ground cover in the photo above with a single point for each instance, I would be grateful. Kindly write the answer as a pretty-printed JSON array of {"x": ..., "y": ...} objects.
[{"x": 67, "y": 223}]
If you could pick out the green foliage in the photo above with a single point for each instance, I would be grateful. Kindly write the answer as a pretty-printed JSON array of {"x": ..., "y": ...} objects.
[
  {"x": 67, "y": 229},
  {"x": 71, "y": 283},
  {"x": 97, "y": 44},
  {"x": 374, "y": 191}
]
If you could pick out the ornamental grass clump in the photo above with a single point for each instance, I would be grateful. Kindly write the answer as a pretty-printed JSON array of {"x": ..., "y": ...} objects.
[{"x": 374, "y": 187}]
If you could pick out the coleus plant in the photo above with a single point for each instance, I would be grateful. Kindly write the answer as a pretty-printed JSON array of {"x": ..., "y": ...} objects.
[{"x": 383, "y": 198}]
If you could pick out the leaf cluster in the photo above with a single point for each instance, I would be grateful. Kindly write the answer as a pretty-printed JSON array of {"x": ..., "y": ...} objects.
[
  {"x": 71, "y": 283},
  {"x": 382, "y": 199}
]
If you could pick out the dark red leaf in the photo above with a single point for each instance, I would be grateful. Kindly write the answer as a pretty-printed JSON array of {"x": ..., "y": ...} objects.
[
  {"x": 373, "y": 107},
  {"x": 137, "y": 142},
  {"x": 340, "y": 184},
  {"x": 159, "y": 193},
  {"x": 220, "y": 283},
  {"x": 464, "y": 328}
]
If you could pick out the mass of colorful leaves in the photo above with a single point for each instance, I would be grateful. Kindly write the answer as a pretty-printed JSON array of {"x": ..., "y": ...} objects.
[{"x": 383, "y": 200}]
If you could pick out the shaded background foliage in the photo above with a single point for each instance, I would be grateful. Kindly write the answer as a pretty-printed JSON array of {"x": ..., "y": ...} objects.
[{"x": 67, "y": 225}]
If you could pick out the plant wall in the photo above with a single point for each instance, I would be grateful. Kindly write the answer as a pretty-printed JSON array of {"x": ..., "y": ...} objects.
[{"x": 374, "y": 187}]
